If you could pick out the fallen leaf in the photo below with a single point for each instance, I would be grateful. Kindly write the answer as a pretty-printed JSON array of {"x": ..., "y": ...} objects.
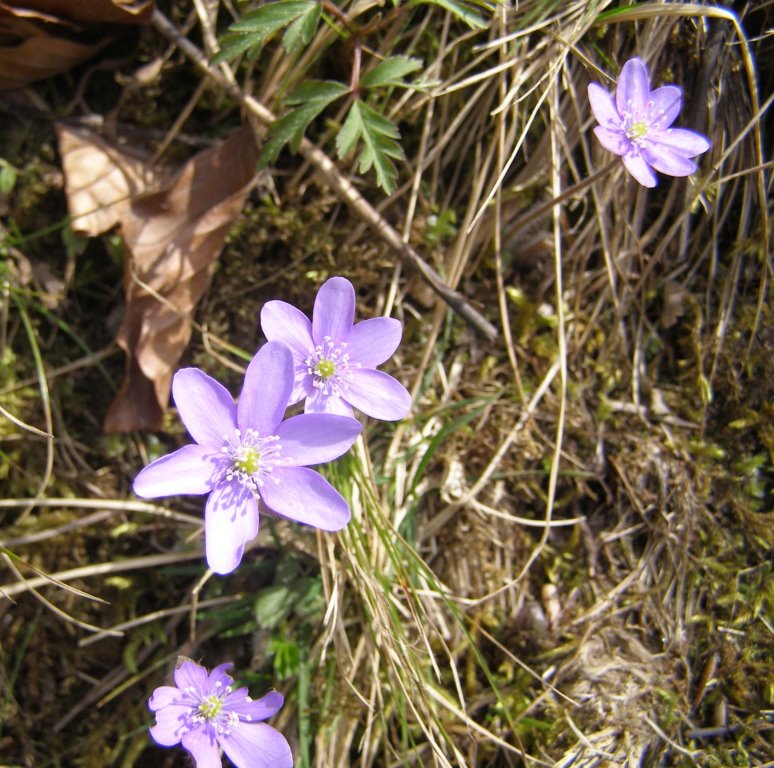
[
  {"x": 673, "y": 308},
  {"x": 42, "y": 38},
  {"x": 101, "y": 179},
  {"x": 173, "y": 238},
  {"x": 39, "y": 56},
  {"x": 92, "y": 12}
]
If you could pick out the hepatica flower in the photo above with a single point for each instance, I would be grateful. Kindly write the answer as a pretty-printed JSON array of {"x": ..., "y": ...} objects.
[
  {"x": 335, "y": 360},
  {"x": 204, "y": 713},
  {"x": 636, "y": 126},
  {"x": 245, "y": 455}
]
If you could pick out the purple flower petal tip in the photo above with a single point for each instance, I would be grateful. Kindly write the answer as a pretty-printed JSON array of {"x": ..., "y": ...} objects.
[{"x": 635, "y": 124}]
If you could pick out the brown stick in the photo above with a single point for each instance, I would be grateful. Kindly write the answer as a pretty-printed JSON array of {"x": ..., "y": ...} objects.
[{"x": 327, "y": 169}]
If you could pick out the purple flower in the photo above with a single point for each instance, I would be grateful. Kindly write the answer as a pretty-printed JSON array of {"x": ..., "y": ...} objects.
[
  {"x": 204, "y": 713},
  {"x": 245, "y": 454},
  {"x": 335, "y": 361},
  {"x": 636, "y": 126}
]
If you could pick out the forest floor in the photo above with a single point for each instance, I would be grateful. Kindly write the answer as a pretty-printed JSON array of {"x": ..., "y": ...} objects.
[{"x": 563, "y": 555}]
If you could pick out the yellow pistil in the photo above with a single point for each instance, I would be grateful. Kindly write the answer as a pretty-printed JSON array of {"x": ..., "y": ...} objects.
[
  {"x": 248, "y": 461},
  {"x": 637, "y": 130},
  {"x": 325, "y": 369},
  {"x": 210, "y": 707}
]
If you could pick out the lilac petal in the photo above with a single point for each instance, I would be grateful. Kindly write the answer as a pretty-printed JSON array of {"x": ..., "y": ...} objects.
[
  {"x": 664, "y": 106},
  {"x": 218, "y": 675},
  {"x": 205, "y": 406},
  {"x": 260, "y": 709},
  {"x": 314, "y": 438},
  {"x": 613, "y": 140},
  {"x": 267, "y": 388},
  {"x": 191, "y": 469},
  {"x": 230, "y": 520},
  {"x": 281, "y": 321},
  {"x": 631, "y": 95},
  {"x": 202, "y": 744},
  {"x": 163, "y": 696},
  {"x": 638, "y": 167},
  {"x": 190, "y": 675},
  {"x": 681, "y": 140},
  {"x": 303, "y": 383},
  {"x": 667, "y": 160},
  {"x": 256, "y": 745},
  {"x": 318, "y": 402},
  {"x": 334, "y": 311},
  {"x": 603, "y": 106},
  {"x": 373, "y": 341},
  {"x": 307, "y": 497},
  {"x": 170, "y": 724},
  {"x": 377, "y": 394}
]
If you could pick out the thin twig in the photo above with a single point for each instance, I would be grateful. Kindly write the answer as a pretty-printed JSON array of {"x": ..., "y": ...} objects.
[
  {"x": 130, "y": 564},
  {"x": 155, "y": 616},
  {"x": 27, "y": 586},
  {"x": 115, "y": 505},
  {"x": 50, "y": 533}
]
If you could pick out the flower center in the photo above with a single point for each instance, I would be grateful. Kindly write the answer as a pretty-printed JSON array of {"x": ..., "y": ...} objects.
[
  {"x": 248, "y": 460},
  {"x": 637, "y": 130},
  {"x": 328, "y": 366},
  {"x": 325, "y": 368},
  {"x": 210, "y": 706},
  {"x": 212, "y": 710},
  {"x": 251, "y": 457}
]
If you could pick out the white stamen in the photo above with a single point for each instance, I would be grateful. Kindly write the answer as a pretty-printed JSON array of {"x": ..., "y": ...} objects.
[
  {"x": 329, "y": 367},
  {"x": 251, "y": 458}
]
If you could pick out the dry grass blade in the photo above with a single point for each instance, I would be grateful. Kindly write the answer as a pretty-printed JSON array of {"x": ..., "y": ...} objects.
[
  {"x": 45, "y": 402},
  {"x": 112, "y": 505},
  {"x": 155, "y": 616},
  {"x": 102, "y": 569},
  {"x": 27, "y": 586}
]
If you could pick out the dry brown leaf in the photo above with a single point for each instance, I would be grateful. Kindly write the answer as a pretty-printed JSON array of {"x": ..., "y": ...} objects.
[
  {"x": 173, "y": 238},
  {"x": 101, "y": 179},
  {"x": 675, "y": 298},
  {"x": 91, "y": 12},
  {"x": 41, "y": 38},
  {"x": 40, "y": 56}
]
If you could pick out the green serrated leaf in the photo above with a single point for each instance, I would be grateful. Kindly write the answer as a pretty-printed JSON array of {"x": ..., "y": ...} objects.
[
  {"x": 308, "y": 603},
  {"x": 379, "y": 138},
  {"x": 233, "y": 45},
  {"x": 271, "y": 17},
  {"x": 310, "y": 99},
  {"x": 461, "y": 10},
  {"x": 391, "y": 72},
  {"x": 316, "y": 90},
  {"x": 287, "y": 657},
  {"x": 272, "y": 605},
  {"x": 349, "y": 133},
  {"x": 7, "y": 177},
  {"x": 301, "y": 30},
  {"x": 252, "y": 30}
]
